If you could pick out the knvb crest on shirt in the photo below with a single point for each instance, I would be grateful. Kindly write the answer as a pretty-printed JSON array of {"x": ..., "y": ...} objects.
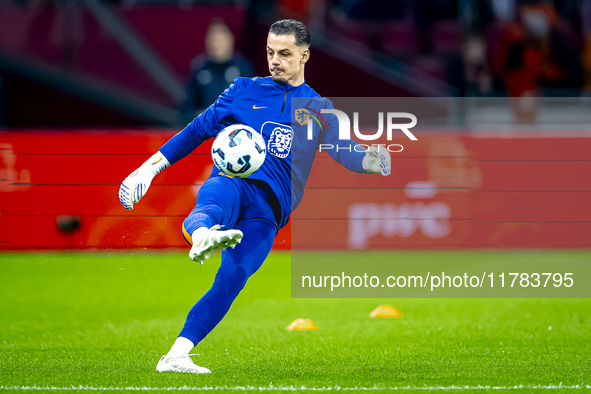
[
  {"x": 280, "y": 138},
  {"x": 302, "y": 115}
]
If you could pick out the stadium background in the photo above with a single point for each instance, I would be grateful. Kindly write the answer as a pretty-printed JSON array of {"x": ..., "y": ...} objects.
[
  {"x": 90, "y": 89},
  {"x": 89, "y": 82}
]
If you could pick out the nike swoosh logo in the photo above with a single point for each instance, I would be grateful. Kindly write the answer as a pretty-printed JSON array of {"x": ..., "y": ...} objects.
[{"x": 255, "y": 107}]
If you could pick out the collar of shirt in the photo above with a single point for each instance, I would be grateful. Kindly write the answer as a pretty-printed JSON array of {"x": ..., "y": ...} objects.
[{"x": 286, "y": 86}]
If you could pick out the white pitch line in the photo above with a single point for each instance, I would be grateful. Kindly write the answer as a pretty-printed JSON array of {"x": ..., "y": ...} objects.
[{"x": 296, "y": 388}]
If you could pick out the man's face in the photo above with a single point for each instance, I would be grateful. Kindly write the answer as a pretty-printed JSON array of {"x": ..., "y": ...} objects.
[{"x": 286, "y": 60}]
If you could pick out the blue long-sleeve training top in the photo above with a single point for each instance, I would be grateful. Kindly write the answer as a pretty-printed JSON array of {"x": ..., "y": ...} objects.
[{"x": 266, "y": 106}]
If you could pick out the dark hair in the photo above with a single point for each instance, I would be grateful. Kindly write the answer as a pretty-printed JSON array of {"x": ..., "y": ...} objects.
[{"x": 288, "y": 27}]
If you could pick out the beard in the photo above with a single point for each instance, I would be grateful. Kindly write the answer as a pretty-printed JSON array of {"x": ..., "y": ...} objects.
[{"x": 279, "y": 79}]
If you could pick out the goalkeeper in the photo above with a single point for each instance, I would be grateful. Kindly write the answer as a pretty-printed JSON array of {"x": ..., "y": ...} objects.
[{"x": 245, "y": 214}]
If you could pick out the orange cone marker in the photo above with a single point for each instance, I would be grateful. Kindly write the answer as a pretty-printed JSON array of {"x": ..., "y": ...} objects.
[
  {"x": 302, "y": 325},
  {"x": 385, "y": 311}
]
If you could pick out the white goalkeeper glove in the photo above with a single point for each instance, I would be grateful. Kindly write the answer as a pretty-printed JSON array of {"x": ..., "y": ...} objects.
[
  {"x": 377, "y": 160},
  {"x": 135, "y": 186}
]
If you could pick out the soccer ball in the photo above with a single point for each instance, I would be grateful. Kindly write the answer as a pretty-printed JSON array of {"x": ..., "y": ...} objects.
[{"x": 238, "y": 150}]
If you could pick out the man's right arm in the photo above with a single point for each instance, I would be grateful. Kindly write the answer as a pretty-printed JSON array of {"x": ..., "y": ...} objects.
[{"x": 203, "y": 127}]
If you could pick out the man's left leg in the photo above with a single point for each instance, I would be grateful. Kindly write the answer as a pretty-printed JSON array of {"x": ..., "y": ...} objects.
[{"x": 237, "y": 266}]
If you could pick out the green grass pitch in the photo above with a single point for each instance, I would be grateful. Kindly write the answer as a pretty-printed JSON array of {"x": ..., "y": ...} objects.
[{"x": 102, "y": 321}]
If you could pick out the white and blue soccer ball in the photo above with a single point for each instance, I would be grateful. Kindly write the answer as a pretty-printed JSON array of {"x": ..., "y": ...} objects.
[{"x": 239, "y": 150}]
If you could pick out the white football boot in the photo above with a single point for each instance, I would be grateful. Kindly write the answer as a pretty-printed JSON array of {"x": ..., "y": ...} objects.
[
  {"x": 208, "y": 240},
  {"x": 179, "y": 362}
]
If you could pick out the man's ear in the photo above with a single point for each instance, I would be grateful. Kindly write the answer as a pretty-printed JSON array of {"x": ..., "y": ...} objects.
[{"x": 305, "y": 56}]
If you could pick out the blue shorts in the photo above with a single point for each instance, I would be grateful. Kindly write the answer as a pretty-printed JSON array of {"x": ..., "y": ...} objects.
[{"x": 227, "y": 201}]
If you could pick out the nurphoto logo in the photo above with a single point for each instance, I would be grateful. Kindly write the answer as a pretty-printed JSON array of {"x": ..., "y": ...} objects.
[{"x": 303, "y": 115}]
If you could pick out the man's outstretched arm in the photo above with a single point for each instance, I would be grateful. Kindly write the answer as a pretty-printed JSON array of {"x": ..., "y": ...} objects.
[
  {"x": 351, "y": 155},
  {"x": 203, "y": 127}
]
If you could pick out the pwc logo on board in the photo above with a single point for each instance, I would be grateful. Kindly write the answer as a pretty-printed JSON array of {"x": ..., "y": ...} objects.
[{"x": 417, "y": 214}]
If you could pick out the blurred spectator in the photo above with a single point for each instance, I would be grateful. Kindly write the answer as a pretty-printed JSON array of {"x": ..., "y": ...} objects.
[
  {"x": 476, "y": 71},
  {"x": 470, "y": 73},
  {"x": 535, "y": 52},
  {"x": 214, "y": 70}
]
